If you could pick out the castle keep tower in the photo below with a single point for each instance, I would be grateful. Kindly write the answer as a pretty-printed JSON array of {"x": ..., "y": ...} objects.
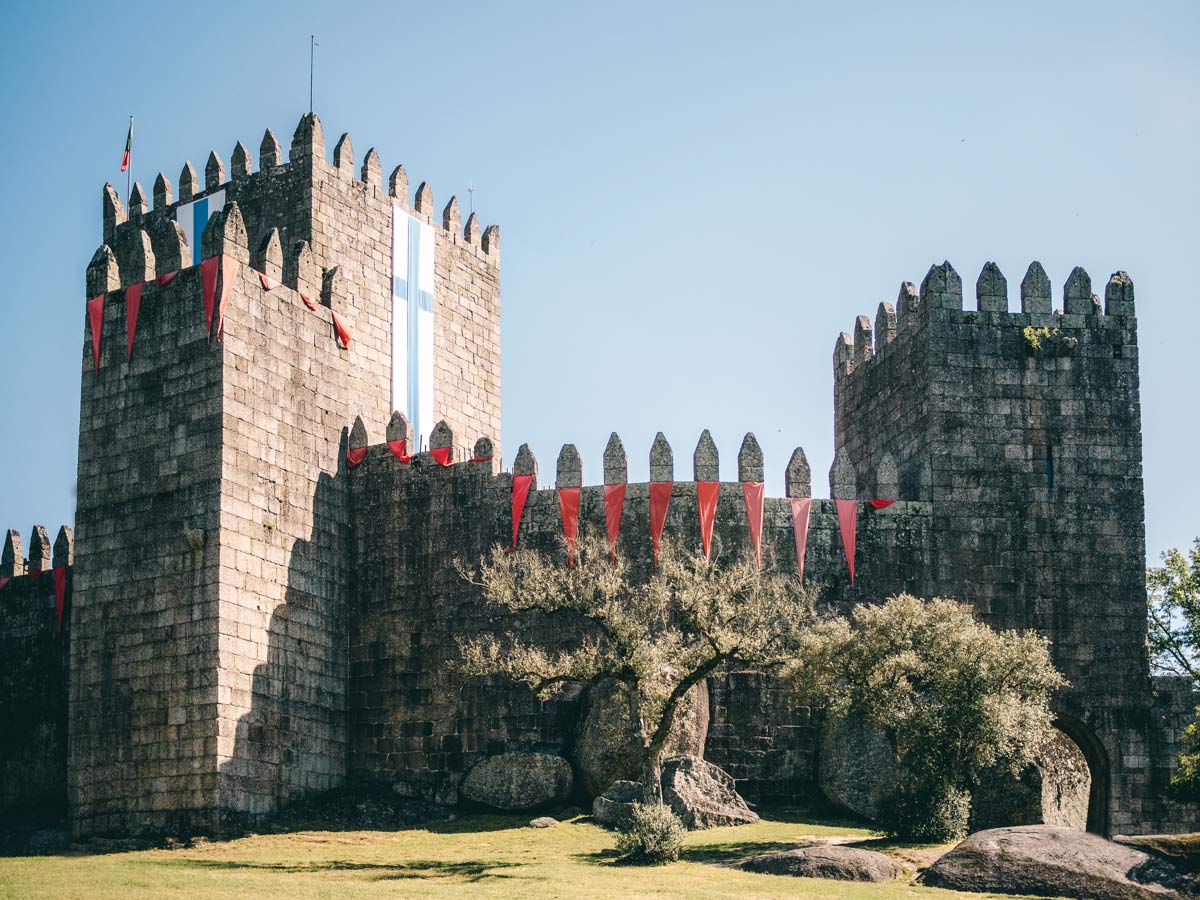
[
  {"x": 209, "y": 672},
  {"x": 1023, "y": 431}
]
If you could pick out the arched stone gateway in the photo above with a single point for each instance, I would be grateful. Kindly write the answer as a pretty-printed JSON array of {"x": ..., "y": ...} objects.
[{"x": 1090, "y": 746}]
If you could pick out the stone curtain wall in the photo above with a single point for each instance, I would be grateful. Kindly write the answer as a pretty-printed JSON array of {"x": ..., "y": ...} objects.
[
  {"x": 33, "y": 680},
  {"x": 416, "y": 722},
  {"x": 1064, "y": 552}
]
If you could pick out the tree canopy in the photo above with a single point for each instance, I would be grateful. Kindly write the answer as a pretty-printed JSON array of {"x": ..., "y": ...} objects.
[
  {"x": 658, "y": 633},
  {"x": 955, "y": 696}
]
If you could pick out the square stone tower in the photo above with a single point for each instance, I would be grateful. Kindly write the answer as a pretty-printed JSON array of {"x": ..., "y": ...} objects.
[
  {"x": 236, "y": 330},
  {"x": 1023, "y": 430}
]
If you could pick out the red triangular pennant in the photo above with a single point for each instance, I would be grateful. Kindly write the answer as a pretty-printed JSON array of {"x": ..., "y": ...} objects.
[
  {"x": 229, "y": 271},
  {"x": 34, "y": 574},
  {"x": 706, "y": 499},
  {"x": 614, "y": 502},
  {"x": 165, "y": 278},
  {"x": 441, "y": 454},
  {"x": 268, "y": 283},
  {"x": 520, "y": 493},
  {"x": 801, "y": 508},
  {"x": 60, "y": 591},
  {"x": 400, "y": 450},
  {"x": 343, "y": 331},
  {"x": 95, "y": 311},
  {"x": 568, "y": 506},
  {"x": 208, "y": 283},
  {"x": 308, "y": 301},
  {"x": 847, "y": 512},
  {"x": 752, "y": 492},
  {"x": 3, "y": 582},
  {"x": 660, "y": 499},
  {"x": 133, "y": 302},
  {"x": 354, "y": 456},
  {"x": 881, "y": 504}
]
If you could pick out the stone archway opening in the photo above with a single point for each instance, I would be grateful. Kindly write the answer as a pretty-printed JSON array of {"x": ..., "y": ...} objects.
[{"x": 1089, "y": 746}]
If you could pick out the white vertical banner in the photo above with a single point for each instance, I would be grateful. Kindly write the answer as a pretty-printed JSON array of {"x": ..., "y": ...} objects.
[{"x": 412, "y": 322}]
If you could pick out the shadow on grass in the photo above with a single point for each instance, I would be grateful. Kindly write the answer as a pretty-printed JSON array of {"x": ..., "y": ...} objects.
[
  {"x": 474, "y": 822},
  {"x": 736, "y": 851},
  {"x": 469, "y": 871}
]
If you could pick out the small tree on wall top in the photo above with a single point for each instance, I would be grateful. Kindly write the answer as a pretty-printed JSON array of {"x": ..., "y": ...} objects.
[{"x": 658, "y": 633}]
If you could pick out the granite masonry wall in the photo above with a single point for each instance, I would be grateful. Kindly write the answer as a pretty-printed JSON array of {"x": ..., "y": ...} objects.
[
  {"x": 416, "y": 722},
  {"x": 144, "y": 647},
  {"x": 33, "y": 677}
]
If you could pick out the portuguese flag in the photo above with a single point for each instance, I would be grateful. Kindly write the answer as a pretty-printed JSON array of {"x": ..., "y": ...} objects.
[{"x": 128, "y": 147}]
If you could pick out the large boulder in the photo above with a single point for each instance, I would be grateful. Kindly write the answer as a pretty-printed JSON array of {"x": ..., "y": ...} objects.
[
  {"x": 614, "y": 808},
  {"x": 1053, "y": 790},
  {"x": 702, "y": 795},
  {"x": 834, "y": 861},
  {"x": 1053, "y": 861},
  {"x": 514, "y": 781},
  {"x": 607, "y": 747},
  {"x": 857, "y": 765}
]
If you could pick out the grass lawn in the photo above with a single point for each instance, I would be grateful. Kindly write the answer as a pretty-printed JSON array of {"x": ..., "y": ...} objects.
[{"x": 476, "y": 855}]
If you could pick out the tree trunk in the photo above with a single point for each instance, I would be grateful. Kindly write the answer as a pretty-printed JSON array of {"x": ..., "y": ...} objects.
[{"x": 652, "y": 776}]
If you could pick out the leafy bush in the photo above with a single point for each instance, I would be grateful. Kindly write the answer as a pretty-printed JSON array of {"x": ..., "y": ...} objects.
[
  {"x": 930, "y": 812},
  {"x": 955, "y": 697},
  {"x": 655, "y": 835}
]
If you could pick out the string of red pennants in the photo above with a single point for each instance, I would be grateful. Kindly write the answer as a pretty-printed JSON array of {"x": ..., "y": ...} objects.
[
  {"x": 227, "y": 267},
  {"x": 399, "y": 449},
  {"x": 707, "y": 493}
]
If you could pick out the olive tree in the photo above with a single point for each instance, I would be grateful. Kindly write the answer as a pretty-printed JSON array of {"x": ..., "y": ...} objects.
[{"x": 658, "y": 632}]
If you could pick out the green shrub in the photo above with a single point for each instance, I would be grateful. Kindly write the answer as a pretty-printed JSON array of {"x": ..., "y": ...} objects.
[
  {"x": 932, "y": 813},
  {"x": 654, "y": 836}
]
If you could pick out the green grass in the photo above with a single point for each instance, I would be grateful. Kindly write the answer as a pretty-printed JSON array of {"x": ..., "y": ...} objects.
[{"x": 479, "y": 856}]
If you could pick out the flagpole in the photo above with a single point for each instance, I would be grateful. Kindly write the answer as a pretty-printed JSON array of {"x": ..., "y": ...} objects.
[
  {"x": 129, "y": 168},
  {"x": 312, "y": 43}
]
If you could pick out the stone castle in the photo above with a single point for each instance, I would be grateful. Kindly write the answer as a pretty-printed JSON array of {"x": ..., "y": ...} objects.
[{"x": 259, "y": 601}]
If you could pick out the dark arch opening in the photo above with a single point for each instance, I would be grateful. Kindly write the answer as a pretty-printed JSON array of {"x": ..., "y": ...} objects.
[{"x": 1097, "y": 759}]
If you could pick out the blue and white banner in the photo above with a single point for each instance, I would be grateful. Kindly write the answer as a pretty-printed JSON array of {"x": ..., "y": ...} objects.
[
  {"x": 192, "y": 217},
  {"x": 412, "y": 323}
]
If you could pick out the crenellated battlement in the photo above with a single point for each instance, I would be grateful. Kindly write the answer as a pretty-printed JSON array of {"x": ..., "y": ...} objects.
[
  {"x": 127, "y": 230},
  {"x": 365, "y": 457},
  {"x": 43, "y": 556},
  {"x": 476, "y": 495},
  {"x": 940, "y": 299}
]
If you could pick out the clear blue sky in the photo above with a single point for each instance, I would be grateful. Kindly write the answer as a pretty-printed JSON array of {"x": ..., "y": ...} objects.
[{"x": 695, "y": 198}]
